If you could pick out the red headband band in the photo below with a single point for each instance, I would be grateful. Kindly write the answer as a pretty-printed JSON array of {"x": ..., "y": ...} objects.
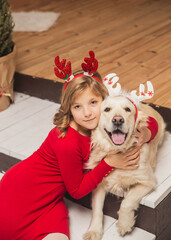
[
  {"x": 81, "y": 75},
  {"x": 136, "y": 110}
]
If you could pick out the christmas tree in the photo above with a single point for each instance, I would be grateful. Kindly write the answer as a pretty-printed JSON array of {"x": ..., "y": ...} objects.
[{"x": 6, "y": 28}]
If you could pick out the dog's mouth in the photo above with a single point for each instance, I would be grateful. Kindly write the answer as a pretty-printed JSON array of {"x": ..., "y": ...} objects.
[{"x": 117, "y": 136}]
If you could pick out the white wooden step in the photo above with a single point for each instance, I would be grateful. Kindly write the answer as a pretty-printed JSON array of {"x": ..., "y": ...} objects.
[{"x": 80, "y": 219}]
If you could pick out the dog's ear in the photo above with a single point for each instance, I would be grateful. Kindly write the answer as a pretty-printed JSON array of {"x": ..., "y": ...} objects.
[{"x": 141, "y": 119}]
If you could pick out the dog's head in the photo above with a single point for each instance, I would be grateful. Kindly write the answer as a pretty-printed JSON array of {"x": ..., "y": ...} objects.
[
  {"x": 120, "y": 115},
  {"x": 117, "y": 121}
]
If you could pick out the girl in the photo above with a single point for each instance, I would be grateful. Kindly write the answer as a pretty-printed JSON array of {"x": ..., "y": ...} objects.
[{"x": 31, "y": 192}]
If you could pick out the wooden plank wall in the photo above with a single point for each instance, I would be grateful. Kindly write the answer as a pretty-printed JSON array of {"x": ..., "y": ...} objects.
[{"x": 131, "y": 38}]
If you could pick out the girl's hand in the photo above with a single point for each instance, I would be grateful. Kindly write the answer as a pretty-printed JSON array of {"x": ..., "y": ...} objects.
[
  {"x": 143, "y": 135},
  {"x": 128, "y": 160}
]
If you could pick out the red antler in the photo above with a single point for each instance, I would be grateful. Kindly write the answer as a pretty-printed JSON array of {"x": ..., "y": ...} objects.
[
  {"x": 65, "y": 70},
  {"x": 91, "y": 64}
]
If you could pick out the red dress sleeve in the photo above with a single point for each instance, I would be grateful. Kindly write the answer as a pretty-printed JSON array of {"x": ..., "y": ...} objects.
[
  {"x": 70, "y": 159},
  {"x": 153, "y": 127}
]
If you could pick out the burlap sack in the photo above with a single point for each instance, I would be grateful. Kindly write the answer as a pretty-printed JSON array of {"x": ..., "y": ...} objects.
[{"x": 7, "y": 70}]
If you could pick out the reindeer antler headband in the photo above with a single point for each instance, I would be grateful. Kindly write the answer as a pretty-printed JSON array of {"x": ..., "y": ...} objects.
[
  {"x": 63, "y": 70},
  {"x": 110, "y": 80}
]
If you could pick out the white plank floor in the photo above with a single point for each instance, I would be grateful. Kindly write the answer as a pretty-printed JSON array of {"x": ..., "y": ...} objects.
[
  {"x": 80, "y": 219},
  {"x": 25, "y": 125}
]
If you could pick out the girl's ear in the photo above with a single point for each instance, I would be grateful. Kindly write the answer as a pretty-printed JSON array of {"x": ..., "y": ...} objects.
[{"x": 71, "y": 116}]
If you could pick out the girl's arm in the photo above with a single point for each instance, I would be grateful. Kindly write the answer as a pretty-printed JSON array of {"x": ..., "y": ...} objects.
[{"x": 78, "y": 183}]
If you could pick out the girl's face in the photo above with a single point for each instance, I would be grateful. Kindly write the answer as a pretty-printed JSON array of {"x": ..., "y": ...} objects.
[{"x": 86, "y": 111}]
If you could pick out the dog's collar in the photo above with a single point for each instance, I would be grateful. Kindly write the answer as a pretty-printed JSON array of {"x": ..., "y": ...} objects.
[{"x": 136, "y": 110}]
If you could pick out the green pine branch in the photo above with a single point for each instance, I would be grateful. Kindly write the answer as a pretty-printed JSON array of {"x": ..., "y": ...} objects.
[{"x": 6, "y": 28}]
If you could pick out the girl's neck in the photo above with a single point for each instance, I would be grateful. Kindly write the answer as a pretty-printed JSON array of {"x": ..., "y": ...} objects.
[{"x": 79, "y": 129}]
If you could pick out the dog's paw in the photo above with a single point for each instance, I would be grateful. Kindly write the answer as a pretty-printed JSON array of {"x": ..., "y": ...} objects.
[
  {"x": 125, "y": 225},
  {"x": 92, "y": 235},
  {"x": 123, "y": 229}
]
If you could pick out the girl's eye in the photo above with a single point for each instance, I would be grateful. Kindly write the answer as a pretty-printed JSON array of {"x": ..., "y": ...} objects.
[
  {"x": 127, "y": 109},
  {"x": 77, "y": 107},
  {"x": 94, "y": 102},
  {"x": 107, "y": 109}
]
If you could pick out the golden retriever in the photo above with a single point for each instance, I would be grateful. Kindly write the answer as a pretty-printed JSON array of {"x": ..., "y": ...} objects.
[{"x": 114, "y": 132}]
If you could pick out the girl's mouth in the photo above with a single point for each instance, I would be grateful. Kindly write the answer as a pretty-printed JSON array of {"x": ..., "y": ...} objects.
[{"x": 89, "y": 120}]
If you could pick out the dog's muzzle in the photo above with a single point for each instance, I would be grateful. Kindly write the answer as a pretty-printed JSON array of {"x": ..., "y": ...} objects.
[{"x": 117, "y": 136}]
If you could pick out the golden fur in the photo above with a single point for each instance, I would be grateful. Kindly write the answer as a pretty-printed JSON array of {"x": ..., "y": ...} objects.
[{"x": 132, "y": 184}]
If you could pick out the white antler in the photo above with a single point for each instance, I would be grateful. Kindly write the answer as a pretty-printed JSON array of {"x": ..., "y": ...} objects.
[
  {"x": 109, "y": 81},
  {"x": 142, "y": 94}
]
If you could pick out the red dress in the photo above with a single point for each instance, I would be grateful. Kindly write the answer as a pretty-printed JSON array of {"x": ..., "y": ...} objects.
[{"x": 31, "y": 192}]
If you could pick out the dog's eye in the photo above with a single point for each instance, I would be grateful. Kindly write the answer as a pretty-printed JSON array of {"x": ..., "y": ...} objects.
[
  {"x": 127, "y": 109},
  {"x": 107, "y": 109}
]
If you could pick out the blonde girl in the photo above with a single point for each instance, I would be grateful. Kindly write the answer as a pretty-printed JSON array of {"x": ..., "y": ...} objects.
[{"x": 31, "y": 192}]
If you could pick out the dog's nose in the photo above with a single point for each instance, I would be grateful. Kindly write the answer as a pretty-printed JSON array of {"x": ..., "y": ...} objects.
[{"x": 118, "y": 120}]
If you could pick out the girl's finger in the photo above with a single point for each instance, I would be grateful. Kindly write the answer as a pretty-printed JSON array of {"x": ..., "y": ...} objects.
[
  {"x": 133, "y": 156},
  {"x": 140, "y": 142},
  {"x": 137, "y": 134},
  {"x": 136, "y": 158},
  {"x": 134, "y": 162},
  {"x": 133, "y": 151},
  {"x": 138, "y": 129},
  {"x": 132, "y": 167},
  {"x": 135, "y": 144}
]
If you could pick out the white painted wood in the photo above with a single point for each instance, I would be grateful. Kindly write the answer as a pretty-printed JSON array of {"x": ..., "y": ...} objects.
[
  {"x": 83, "y": 219},
  {"x": 80, "y": 219},
  {"x": 136, "y": 234},
  {"x": 163, "y": 175},
  {"x": 12, "y": 154},
  {"x": 1, "y": 175},
  {"x": 22, "y": 110},
  {"x": 18, "y": 97},
  {"x": 26, "y": 130},
  {"x": 154, "y": 198},
  {"x": 28, "y": 123}
]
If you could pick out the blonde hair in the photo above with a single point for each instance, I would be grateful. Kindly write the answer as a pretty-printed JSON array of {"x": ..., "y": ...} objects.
[{"x": 63, "y": 117}]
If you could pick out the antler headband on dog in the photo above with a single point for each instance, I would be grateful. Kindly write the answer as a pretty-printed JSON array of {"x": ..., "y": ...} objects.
[
  {"x": 63, "y": 70},
  {"x": 110, "y": 80}
]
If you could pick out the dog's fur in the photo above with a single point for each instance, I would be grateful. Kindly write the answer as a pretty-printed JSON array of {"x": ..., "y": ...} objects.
[{"x": 132, "y": 184}]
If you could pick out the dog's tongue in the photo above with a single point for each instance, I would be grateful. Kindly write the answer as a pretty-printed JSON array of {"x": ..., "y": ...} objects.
[{"x": 118, "y": 138}]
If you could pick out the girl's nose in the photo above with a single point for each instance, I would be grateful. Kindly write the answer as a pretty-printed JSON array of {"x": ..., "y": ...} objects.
[{"x": 87, "y": 112}]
